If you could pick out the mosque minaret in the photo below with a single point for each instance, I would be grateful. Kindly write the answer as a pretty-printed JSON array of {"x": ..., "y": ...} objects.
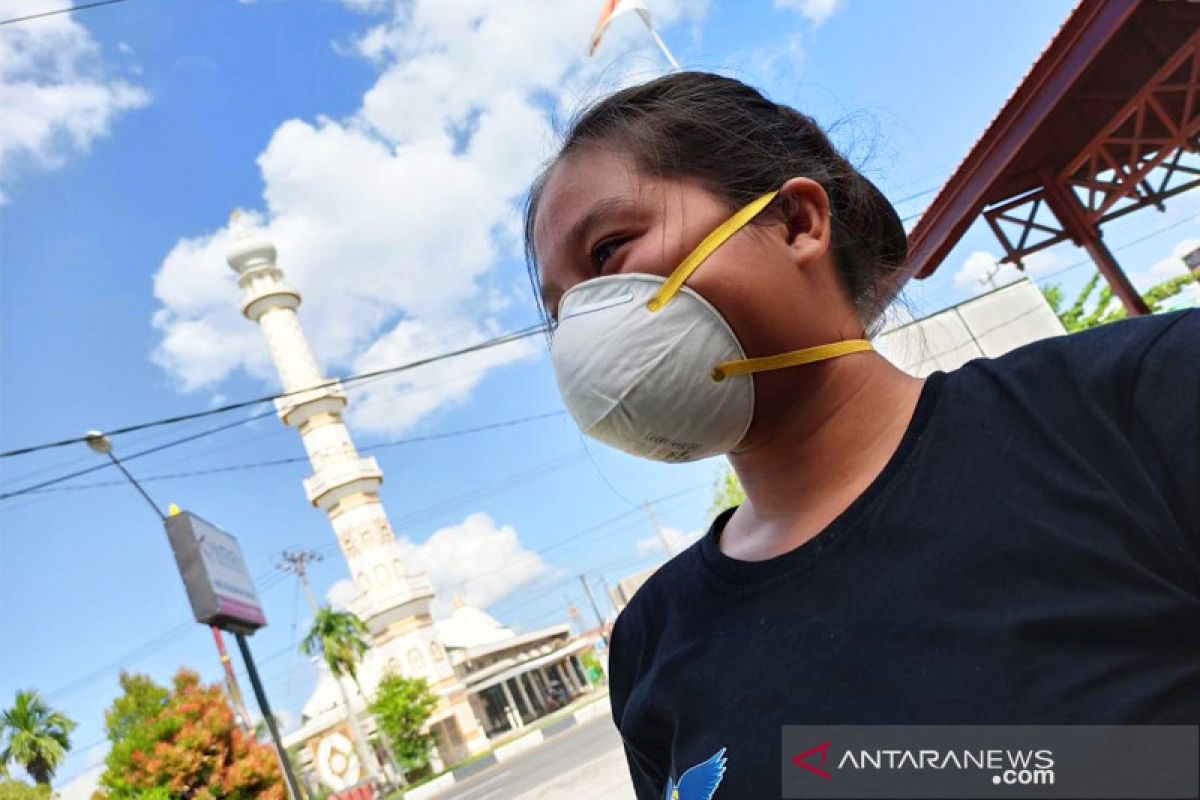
[{"x": 393, "y": 600}]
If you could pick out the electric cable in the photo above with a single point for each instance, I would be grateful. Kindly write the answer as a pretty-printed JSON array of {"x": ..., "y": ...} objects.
[
  {"x": 497, "y": 341},
  {"x": 148, "y": 451},
  {"x": 67, "y": 10},
  {"x": 180, "y": 631},
  {"x": 301, "y": 459}
]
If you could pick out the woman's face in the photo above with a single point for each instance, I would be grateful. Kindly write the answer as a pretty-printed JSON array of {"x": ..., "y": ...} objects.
[{"x": 773, "y": 281}]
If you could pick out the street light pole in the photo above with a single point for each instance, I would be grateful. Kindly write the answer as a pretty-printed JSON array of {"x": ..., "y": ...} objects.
[
  {"x": 268, "y": 717},
  {"x": 101, "y": 444}
]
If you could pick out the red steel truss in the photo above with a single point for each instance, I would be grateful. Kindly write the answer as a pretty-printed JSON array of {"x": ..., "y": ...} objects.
[{"x": 1107, "y": 122}]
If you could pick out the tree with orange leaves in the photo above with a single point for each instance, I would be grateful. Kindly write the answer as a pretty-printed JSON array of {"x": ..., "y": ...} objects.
[{"x": 183, "y": 743}]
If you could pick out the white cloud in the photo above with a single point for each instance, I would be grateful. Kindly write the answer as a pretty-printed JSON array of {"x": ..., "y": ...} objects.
[
  {"x": 394, "y": 222},
  {"x": 780, "y": 58},
  {"x": 1172, "y": 266},
  {"x": 816, "y": 11},
  {"x": 83, "y": 785},
  {"x": 393, "y": 403},
  {"x": 982, "y": 271},
  {"x": 1189, "y": 297},
  {"x": 341, "y": 594},
  {"x": 677, "y": 539},
  {"x": 55, "y": 91},
  {"x": 476, "y": 560}
]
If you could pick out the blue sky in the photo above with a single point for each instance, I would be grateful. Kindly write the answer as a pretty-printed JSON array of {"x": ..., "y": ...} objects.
[{"x": 385, "y": 150}]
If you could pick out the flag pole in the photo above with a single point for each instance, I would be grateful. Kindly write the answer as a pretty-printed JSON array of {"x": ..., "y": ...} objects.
[{"x": 658, "y": 40}]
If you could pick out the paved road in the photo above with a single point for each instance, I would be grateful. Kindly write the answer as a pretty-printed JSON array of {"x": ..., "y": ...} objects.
[{"x": 583, "y": 761}]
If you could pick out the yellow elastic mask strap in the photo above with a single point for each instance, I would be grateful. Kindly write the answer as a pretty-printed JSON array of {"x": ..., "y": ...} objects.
[
  {"x": 705, "y": 249},
  {"x": 795, "y": 358}
]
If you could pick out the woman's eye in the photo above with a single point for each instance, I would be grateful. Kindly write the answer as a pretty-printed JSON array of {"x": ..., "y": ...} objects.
[{"x": 605, "y": 250}]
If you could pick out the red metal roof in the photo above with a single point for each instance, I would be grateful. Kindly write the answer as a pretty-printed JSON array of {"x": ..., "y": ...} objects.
[{"x": 1100, "y": 58}]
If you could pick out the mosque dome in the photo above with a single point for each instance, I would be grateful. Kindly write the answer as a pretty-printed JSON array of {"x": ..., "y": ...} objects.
[
  {"x": 248, "y": 249},
  {"x": 470, "y": 627}
]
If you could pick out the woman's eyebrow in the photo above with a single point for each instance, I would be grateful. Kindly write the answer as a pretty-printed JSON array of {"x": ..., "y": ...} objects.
[
  {"x": 582, "y": 229},
  {"x": 578, "y": 234}
]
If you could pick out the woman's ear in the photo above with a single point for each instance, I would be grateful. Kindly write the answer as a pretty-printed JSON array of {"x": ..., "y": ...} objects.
[{"x": 809, "y": 218}]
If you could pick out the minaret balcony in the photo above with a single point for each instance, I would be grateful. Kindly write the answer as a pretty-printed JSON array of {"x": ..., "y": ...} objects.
[
  {"x": 258, "y": 300},
  {"x": 296, "y": 409},
  {"x": 341, "y": 479}
]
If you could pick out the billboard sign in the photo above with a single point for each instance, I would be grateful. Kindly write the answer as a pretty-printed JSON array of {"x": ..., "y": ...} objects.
[{"x": 214, "y": 574}]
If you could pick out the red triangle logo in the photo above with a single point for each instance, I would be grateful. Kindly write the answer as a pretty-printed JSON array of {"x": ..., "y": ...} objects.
[{"x": 823, "y": 749}]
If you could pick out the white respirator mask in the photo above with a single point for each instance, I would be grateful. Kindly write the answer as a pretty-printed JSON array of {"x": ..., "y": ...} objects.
[{"x": 648, "y": 366}]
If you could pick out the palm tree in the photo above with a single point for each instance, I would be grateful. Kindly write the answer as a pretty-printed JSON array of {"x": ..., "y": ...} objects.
[
  {"x": 34, "y": 736},
  {"x": 341, "y": 638}
]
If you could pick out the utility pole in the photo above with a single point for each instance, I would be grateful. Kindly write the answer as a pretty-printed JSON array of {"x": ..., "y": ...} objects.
[
  {"x": 587, "y": 588},
  {"x": 572, "y": 614},
  {"x": 297, "y": 562},
  {"x": 662, "y": 536},
  {"x": 609, "y": 594},
  {"x": 231, "y": 684}
]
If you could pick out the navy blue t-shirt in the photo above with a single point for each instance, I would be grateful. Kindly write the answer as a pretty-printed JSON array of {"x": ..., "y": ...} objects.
[{"x": 1029, "y": 555}]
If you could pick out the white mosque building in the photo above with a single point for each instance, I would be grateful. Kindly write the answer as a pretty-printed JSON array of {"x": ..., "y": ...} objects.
[{"x": 489, "y": 680}]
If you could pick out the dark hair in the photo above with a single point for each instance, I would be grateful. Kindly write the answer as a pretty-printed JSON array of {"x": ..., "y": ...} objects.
[{"x": 740, "y": 145}]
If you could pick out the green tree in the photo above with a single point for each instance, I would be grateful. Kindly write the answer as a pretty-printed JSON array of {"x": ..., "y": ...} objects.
[
  {"x": 183, "y": 743},
  {"x": 35, "y": 736},
  {"x": 141, "y": 700},
  {"x": 402, "y": 707},
  {"x": 19, "y": 790},
  {"x": 341, "y": 639},
  {"x": 591, "y": 663},
  {"x": 728, "y": 493},
  {"x": 1081, "y": 314}
]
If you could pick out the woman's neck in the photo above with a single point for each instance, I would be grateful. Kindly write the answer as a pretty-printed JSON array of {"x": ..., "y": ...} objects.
[{"x": 822, "y": 453}]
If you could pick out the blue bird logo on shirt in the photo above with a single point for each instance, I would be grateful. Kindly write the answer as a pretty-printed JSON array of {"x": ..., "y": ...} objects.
[{"x": 699, "y": 782}]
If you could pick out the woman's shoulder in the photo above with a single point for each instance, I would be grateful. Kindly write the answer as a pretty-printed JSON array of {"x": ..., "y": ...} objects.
[
  {"x": 640, "y": 623},
  {"x": 1102, "y": 364}
]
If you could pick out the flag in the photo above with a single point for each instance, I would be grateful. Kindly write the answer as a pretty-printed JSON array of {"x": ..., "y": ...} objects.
[{"x": 612, "y": 9}]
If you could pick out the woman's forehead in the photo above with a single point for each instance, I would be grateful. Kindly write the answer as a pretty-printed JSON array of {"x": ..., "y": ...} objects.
[{"x": 575, "y": 184}]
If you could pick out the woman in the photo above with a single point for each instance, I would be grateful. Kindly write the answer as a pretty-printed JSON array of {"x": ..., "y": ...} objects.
[{"x": 1017, "y": 541}]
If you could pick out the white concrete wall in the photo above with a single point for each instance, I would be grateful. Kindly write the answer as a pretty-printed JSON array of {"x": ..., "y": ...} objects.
[{"x": 989, "y": 325}]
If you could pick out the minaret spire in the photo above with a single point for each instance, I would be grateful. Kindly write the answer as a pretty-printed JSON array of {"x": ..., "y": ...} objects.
[
  {"x": 394, "y": 602},
  {"x": 344, "y": 484}
]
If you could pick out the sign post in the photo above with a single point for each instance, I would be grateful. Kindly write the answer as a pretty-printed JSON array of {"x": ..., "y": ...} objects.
[{"x": 222, "y": 594}]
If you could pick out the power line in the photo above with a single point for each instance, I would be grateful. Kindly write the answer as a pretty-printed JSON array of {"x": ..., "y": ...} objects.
[
  {"x": 270, "y": 579},
  {"x": 507, "y": 338},
  {"x": 297, "y": 459},
  {"x": 1086, "y": 261},
  {"x": 148, "y": 451},
  {"x": 1120, "y": 247},
  {"x": 68, "y": 10},
  {"x": 915, "y": 195},
  {"x": 275, "y": 431}
]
